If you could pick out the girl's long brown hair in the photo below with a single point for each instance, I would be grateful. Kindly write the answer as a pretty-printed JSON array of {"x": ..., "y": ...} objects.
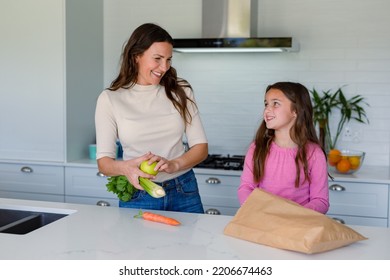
[
  {"x": 141, "y": 39},
  {"x": 302, "y": 133}
]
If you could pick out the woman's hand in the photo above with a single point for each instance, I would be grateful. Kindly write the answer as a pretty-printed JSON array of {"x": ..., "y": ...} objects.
[
  {"x": 163, "y": 164},
  {"x": 168, "y": 166},
  {"x": 192, "y": 157},
  {"x": 129, "y": 168}
]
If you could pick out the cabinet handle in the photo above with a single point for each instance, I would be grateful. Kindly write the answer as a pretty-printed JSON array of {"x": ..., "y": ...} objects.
[
  {"x": 26, "y": 169},
  {"x": 213, "y": 211},
  {"x": 213, "y": 180},
  {"x": 100, "y": 174},
  {"x": 341, "y": 221},
  {"x": 102, "y": 203},
  {"x": 337, "y": 188}
]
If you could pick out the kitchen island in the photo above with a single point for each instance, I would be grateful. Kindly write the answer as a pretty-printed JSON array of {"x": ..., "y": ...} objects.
[{"x": 111, "y": 233}]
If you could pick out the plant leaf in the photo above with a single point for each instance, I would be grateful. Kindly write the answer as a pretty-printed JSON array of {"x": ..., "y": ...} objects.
[{"x": 325, "y": 103}]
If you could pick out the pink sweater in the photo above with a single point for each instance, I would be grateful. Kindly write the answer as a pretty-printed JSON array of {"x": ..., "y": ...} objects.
[{"x": 280, "y": 174}]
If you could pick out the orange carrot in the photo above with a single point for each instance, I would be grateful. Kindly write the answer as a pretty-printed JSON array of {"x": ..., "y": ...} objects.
[{"x": 149, "y": 216}]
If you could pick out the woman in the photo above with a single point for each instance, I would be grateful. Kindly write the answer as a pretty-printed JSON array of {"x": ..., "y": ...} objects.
[
  {"x": 149, "y": 109},
  {"x": 286, "y": 157}
]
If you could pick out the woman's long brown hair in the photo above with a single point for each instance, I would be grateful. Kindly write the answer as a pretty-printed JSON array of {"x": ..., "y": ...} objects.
[
  {"x": 141, "y": 40},
  {"x": 302, "y": 133}
]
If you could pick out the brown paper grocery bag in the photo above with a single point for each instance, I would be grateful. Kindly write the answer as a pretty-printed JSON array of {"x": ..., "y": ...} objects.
[{"x": 270, "y": 220}]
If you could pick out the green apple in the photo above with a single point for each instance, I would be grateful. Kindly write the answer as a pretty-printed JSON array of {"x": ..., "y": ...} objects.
[{"x": 145, "y": 167}]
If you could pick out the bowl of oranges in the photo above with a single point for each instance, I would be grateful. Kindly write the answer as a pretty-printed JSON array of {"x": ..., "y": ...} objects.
[{"x": 345, "y": 161}]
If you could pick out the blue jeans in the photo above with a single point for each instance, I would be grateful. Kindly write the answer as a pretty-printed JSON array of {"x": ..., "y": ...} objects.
[{"x": 182, "y": 195}]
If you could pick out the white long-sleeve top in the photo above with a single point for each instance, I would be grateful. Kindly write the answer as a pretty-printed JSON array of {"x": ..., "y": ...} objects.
[{"x": 144, "y": 119}]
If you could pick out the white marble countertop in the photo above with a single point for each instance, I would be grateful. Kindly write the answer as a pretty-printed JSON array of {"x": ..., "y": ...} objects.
[
  {"x": 93, "y": 232},
  {"x": 369, "y": 174}
]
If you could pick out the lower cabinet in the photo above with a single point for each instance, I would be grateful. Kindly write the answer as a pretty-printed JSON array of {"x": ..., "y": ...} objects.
[
  {"x": 218, "y": 193},
  {"x": 359, "y": 203},
  {"x": 86, "y": 185},
  {"x": 32, "y": 181}
]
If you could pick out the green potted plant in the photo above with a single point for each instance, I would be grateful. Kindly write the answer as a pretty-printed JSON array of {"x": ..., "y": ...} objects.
[{"x": 327, "y": 102}]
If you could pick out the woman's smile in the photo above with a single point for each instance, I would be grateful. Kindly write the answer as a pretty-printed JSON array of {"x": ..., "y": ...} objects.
[{"x": 154, "y": 63}]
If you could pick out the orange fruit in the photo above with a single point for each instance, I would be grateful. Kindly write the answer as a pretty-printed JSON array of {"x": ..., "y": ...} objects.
[
  {"x": 334, "y": 157},
  {"x": 354, "y": 161},
  {"x": 343, "y": 166}
]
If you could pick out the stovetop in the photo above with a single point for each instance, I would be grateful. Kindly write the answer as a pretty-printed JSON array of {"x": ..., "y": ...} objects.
[{"x": 226, "y": 162}]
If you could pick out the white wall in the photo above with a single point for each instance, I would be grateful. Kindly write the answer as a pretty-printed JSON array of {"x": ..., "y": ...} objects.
[{"x": 343, "y": 42}]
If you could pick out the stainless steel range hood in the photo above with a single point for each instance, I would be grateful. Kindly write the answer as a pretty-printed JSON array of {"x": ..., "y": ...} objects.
[{"x": 231, "y": 26}]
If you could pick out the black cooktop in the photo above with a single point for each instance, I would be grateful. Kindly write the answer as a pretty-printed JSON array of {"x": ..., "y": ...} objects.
[{"x": 227, "y": 162}]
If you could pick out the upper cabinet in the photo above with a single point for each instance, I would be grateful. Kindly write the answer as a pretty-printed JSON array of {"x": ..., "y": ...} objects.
[
  {"x": 51, "y": 72},
  {"x": 32, "y": 72}
]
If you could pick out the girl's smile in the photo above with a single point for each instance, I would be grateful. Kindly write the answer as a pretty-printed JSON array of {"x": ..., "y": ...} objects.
[{"x": 277, "y": 111}]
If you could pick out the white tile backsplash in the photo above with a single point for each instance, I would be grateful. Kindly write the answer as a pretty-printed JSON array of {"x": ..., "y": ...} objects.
[{"x": 342, "y": 43}]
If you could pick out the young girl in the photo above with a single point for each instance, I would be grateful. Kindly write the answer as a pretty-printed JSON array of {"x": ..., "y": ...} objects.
[{"x": 285, "y": 157}]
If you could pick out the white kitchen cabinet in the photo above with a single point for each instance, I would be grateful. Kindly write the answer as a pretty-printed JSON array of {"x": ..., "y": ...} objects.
[
  {"x": 86, "y": 185},
  {"x": 32, "y": 72},
  {"x": 32, "y": 181},
  {"x": 218, "y": 190},
  {"x": 359, "y": 199},
  {"x": 51, "y": 74},
  {"x": 359, "y": 203}
]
